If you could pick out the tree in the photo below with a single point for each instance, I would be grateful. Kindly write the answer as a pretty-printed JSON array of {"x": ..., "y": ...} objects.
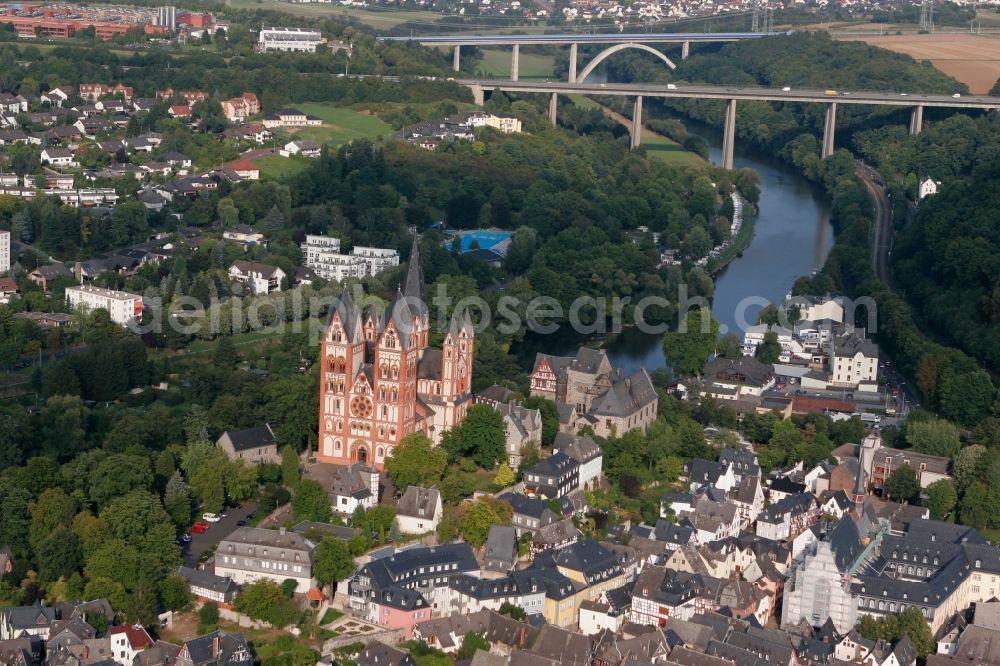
[
  {"x": 175, "y": 593},
  {"x": 225, "y": 355},
  {"x": 979, "y": 506},
  {"x": 117, "y": 475},
  {"x": 332, "y": 562},
  {"x": 911, "y": 622},
  {"x": 505, "y": 477},
  {"x": 274, "y": 221},
  {"x": 241, "y": 480},
  {"x": 769, "y": 350},
  {"x": 208, "y": 614},
  {"x": 311, "y": 502},
  {"x": 208, "y": 484},
  {"x": 941, "y": 498},
  {"x": 934, "y": 436},
  {"x": 550, "y": 417},
  {"x": 415, "y": 461},
  {"x": 470, "y": 643},
  {"x": 59, "y": 554},
  {"x": 480, "y": 516},
  {"x": 967, "y": 464},
  {"x": 53, "y": 509},
  {"x": 687, "y": 349},
  {"x": 289, "y": 466},
  {"x": 288, "y": 587},
  {"x": 515, "y": 612},
  {"x": 480, "y": 437},
  {"x": 265, "y": 600},
  {"x": 902, "y": 485},
  {"x": 177, "y": 499}
]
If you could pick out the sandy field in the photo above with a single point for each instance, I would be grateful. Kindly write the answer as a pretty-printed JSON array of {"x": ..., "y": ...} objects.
[{"x": 972, "y": 59}]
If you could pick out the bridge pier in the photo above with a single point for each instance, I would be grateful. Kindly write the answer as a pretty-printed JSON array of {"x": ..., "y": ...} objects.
[
  {"x": 572, "y": 62},
  {"x": 729, "y": 135},
  {"x": 515, "y": 62},
  {"x": 478, "y": 94},
  {"x": 637, "y": 122},
  {"x": 457, "y": 60},
  {"x": 829, "y": 130},
  {"x": 917, "y": 119},
  {"x": 553, "y": 106},
  {"x": 685, "y": 50}
]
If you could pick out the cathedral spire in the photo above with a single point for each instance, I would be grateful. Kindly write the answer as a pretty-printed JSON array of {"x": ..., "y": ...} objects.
[
  {"x": 859, "y": 481},
  {"x": 414, "y": 286}
]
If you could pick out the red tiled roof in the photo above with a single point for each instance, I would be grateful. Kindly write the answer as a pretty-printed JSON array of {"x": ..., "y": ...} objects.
[{"x": 137, "y": 637}]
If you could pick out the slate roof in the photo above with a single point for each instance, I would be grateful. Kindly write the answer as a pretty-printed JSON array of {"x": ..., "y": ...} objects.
[
  {"x": 203, "y": 579},
  {"x": 29, "y": 617},
  {"x": 501, "y": 546},
  {"x": 590, "y": 558},
  {"x": 418, "y": 502},
  {"x": 553, "y": 534},
  {"x": 625, "y": 396},
  {"x": 527, "y": 506},
  {"x": 247, "y": 267},
  {"x": 581, "y": 448},
  {"x": 745, "y": 370},
  {"x": 565, "y": 646},
  {"x": 252, "y": 438},
  {"x": 230, "y": 648},
  {"x": 783, "y": 484}
]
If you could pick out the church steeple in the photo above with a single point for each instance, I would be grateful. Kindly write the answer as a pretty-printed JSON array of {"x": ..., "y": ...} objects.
[
  {"x": 858, "y": 496},
  {"x": 414, "y": 287}
]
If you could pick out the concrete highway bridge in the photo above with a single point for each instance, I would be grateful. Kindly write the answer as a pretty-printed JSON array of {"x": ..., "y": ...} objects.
[
  {"x": 917, "y": 102},
  {"x": 618, "y": 42}
]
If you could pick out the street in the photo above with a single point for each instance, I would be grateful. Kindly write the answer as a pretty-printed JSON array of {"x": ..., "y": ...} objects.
[{"x": 216, "y": 531}]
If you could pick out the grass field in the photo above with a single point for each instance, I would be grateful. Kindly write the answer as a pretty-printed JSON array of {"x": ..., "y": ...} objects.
[
  {"x": 380, "y": 20},
  {"x": 656, "y": 145},
  {"x": 277, "y": 167},
  {"x": 496, "y": 62},
  {"x": 972, "y": 59},
  {"x": 340, "y": 125}
]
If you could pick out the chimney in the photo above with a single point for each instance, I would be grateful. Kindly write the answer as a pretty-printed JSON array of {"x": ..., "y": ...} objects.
[
  {"x": 281, "y": 531},
  {"x": 86, "y": 652},
  {"x": 78, "y": 272},
  {"x": 215, "y": 645}
]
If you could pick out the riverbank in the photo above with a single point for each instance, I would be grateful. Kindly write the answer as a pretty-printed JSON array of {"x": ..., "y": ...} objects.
[{"x": 744, "y": 221}]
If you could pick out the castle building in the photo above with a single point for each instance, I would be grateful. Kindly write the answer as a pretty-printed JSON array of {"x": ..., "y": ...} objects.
[{"x": 381, "y": 382}]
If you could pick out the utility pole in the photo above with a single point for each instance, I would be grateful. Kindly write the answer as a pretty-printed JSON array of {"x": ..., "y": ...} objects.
[
  {"x": 755, "y": 21},
  {"x": 927, "y": 15}
]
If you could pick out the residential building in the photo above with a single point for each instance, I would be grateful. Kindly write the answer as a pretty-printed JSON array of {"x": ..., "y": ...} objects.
[
  {"x": 250, "y": 554},
  {"x": 470, "y": 593},
  {"x": 381, "y": 381},
  {"x": 254, "y": 445},
  {"x": 305, "y": 148},
  {"x": 302, "y": 40},
  {"x": 353, "y": 486},
  {"x": 927, "y": 187},
  {"x": 816, "y": 308},
  {"x": 552, "y": 477},
  {"x": 788, "y": 517},
  {"x": 8, "y": 289},
  {"x": 419, "y": 510},
  {"x": 60, "y": 157},
  {"x": 500, "y": 553},
  {"x": 529, "y": 514},
  {"x": 245, "y": 235},
  {"x": 209, "y": 587},
  {"x": 522, "y": 426},
  {"x": 587, "y": 454},
  {"x": 377, "y": 653},
  {"x": 290, "y": 117},
  {"x": 853, "y": 360},
  {"x": 884, "y": 461},
  {"x": 127, "y": 641},
  {"x": 19, "y": 621},
  {"x": 122, "y": 307},
  {"x": 218, "y": 648},
  {"x": 238, "y": 109},
  {"x": 406, "y": 586},
  {"x": 4, "y": 251},
  {"x": 500, "y": 631},
  {"x": 592, "y": 564},
  {"x": 734, "y": 379},
  {"x": 322, "y": 254},
  {"x": 554, "y": 536},
  {"x": 261, "y": 278}
]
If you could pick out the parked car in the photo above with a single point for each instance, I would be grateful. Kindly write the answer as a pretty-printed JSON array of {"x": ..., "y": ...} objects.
[
  {"x": 184, "y": 538},
  {"x": 241, "y": 523},
  {"x": 211, "y": 517},
  {"x": 199, "y": 527}
]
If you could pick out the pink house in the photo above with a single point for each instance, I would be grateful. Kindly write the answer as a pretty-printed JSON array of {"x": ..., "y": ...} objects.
[{"x": 401, "y": 609}]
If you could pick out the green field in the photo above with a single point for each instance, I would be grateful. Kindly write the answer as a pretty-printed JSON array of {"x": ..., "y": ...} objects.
[
  {"x": 377, "y": 20},
  {"x": 277, "y": 167},
  {"x": 340, "y": 125},
  {"x": 496, "y": 62},
  {"x": 669, "y": 150}
]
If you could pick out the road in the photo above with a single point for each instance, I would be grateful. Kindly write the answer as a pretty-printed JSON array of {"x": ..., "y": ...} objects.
[
  {"x": 215, "y": 533},
  {"x": 578, "y": 38},
  {"x": 729, "y": 92},
  {"x": 882, "y": 232}
]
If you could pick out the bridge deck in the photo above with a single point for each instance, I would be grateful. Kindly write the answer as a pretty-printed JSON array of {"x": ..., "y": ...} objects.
[
  {"x": 605, "y": 38},
  {"x": 702, "y": 91}
]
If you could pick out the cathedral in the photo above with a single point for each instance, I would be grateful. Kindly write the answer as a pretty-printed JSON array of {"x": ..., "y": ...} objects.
[{"x": 380, "y": 381}]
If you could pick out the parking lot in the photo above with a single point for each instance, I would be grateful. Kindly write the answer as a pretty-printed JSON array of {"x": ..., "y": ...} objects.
[{"x": 216, "y": 532}]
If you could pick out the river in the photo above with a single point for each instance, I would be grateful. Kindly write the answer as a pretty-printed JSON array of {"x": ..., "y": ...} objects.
[{"x": 792, "y": 237}]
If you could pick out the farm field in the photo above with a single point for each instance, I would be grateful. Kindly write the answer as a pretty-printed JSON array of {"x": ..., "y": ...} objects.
[
  {"x": 972, "y": 59},
  {"x": 496, "y": 63},
  {"x": 340, "y": 125},
  {"x": 380, "y": 20}
]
